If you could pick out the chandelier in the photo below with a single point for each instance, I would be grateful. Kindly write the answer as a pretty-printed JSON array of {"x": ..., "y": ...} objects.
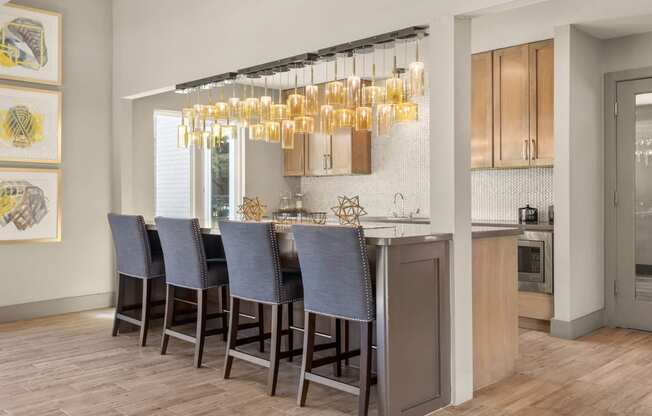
[{"x": 362, "y": 97}]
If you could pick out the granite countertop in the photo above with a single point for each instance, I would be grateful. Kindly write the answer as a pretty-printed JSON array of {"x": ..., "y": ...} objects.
[{"x": 386, "y": 234}]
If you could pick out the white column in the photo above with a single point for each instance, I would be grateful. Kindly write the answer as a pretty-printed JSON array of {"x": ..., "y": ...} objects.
[{"x": 450, "y": 181}]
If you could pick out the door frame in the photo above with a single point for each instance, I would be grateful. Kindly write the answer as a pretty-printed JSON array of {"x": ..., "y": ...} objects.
[{"x": 611, "y": 80}]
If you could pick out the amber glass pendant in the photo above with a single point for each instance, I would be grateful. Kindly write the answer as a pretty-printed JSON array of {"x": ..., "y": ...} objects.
[
  {"x": 394, "y": 90},
  {"x": 363, "y": 118},
  {"x": 312, "y": 100},
  {"x": 416, "y": 79},
  {"x": 297, "y": 105},
  {"x": 304, "y": 124},
  {"x": 385, "y": 114},
  {"x": 273, "y": 131},
  {"x": 216, "y": 135},
  {"x": 265, "y": 108},
  {"x": 221, "y": 111},
  {"x": 252, "y": 110},
  {"x": 344, "y": 117},
  {"x": 182, "y": 137},
  {"x": 334, "y": 93},
  {"x": 353, "y": 86},
  {"x": 326, "y": 119},
  {"x": 257, "y": 132},
  {"x": 407, "y": 111},
  {"x": 279, "y": 112},
  {"x": 287, "y": 134},
  {"x": 234, "y": 109}
]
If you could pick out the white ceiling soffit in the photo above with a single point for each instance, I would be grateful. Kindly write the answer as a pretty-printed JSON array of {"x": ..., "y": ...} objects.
[
  {"x": 618, "y": 27},
  {"x": 500, "y": 8}
]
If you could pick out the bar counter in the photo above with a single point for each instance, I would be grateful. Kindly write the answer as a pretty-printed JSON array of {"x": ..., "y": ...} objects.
[{"x": 412, "y": 333}]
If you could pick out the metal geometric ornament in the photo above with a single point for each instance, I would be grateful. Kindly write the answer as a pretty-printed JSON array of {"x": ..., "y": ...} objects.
[
  {"x": 348, "y": 210},
  {"x": 252, "y": 209}
]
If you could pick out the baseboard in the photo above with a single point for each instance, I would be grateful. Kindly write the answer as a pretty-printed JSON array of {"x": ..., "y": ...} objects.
[
  {"x": 577, "y": 327},
  {"x": 60, "y": 306}
]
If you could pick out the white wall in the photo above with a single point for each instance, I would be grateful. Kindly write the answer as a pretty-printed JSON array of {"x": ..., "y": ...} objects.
[
  {"x": 81, "y": 264},
  {"x": 629, "y": 52},
  {"x": 578, "y": 175}
]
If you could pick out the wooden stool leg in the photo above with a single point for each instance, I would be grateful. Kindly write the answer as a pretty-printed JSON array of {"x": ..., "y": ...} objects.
[
  {"x": 337, "y": 334},
  {"x": 145, "y": 311},
  {"x": 261, "y": 327},
  {"x": 290, "y": 330},
  {"x": 274, "y": 359},
  {"x": 118, "y": 305},
  {"x": 366, "y": 329},
  {"x": 200, "y": 337},
  {"x": 308, "y": 352},
  {"x": 225, "y": 323},
  {"x": 346, "y": 340},
  {"x": 169, "y": 317},
  {"x": 233, "y": 335}
]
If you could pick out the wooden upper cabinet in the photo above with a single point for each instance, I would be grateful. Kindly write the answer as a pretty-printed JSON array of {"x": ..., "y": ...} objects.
[
  {"x": 294, "y": 159},
  {"x": 542, "y": 87},
  {"x": 482, "y": 110},
  {"x": 511, "y": 106}
]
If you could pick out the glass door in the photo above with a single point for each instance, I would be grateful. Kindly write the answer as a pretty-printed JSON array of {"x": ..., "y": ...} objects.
[{"x": 634, "y": 204}]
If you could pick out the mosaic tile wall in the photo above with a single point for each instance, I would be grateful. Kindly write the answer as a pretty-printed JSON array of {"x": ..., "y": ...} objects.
[
  {"x": 498, "y": 194},
  {"x": 399, "y": 163}
]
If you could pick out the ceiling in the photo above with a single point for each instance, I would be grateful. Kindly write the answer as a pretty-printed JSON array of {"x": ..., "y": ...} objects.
[{"x": 615, "y": 28}]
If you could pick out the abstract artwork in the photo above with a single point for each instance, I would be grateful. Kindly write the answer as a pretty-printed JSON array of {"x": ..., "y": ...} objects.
[
  {"x": 30, "y": 125},
  {"x": 252, "y": 209},
  {"x": 349, "y": 210},
  {"x": 30, "y": 44},
  {"x": 30, "y": 205}
]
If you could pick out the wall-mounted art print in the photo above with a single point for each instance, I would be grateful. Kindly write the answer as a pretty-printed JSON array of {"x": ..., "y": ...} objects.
[
  {"x": 30, "y": 125},
  {"x": 30, "y": 205},
  {"x": 30, "y": 44}
]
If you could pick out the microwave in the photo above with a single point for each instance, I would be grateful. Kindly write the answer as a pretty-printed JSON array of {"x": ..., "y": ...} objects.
[{"x": 535, "y": 262}]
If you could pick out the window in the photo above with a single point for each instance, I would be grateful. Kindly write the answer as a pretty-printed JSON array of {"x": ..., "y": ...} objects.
[
  {"x": 173, "y": 181},
  {"x": 220, "y": 187}
]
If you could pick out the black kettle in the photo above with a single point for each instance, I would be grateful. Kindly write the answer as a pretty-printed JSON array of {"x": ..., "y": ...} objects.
[{"x": 528, "y": 215}]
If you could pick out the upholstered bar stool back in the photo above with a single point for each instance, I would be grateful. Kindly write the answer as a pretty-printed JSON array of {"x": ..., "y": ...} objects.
[
  {"x": 135, "y": 259},
  {"x": 132, "y": 247},
  {"x": 335, "y": 269},
  {"x": 254, "y": 265}
]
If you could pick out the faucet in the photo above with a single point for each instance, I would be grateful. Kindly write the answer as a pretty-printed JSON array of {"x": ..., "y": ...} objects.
[{"x": 396, "y": 195}]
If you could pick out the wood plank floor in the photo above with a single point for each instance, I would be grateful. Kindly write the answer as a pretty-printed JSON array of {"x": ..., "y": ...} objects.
[{"x": 69, "y": 365}]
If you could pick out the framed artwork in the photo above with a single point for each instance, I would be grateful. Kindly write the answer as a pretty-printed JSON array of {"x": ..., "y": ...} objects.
[
  {"x": 30, "y": 205},
  {"x": 30, "y": 125},
  {"x": 30, "y": 44}
]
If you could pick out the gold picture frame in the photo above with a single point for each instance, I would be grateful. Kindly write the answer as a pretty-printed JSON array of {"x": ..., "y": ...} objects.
[
  {"x": 13, "y": 93},
  {"x": 13, "y": 178},
  {"x": 13, "y": 62}
]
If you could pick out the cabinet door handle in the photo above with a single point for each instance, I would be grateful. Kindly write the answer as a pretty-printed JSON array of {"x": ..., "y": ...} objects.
[
  {"x": 323, "y": 162},
  {"x": 533, "y": 150},
  {"x": 525, "y": 149}
]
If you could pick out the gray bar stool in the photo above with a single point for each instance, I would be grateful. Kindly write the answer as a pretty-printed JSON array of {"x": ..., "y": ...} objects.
[
  {"x": 187, "y": 268},
  {"x": 255, "y": 275},
  {"x": 337, "y": 283},
  {"x": 135, "y": 259}
]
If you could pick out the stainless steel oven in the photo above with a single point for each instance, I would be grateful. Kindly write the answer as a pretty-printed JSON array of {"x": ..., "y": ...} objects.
[{"x": 535, "y": 270}]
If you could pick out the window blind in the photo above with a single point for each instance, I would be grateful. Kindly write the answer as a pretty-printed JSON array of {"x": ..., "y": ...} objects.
[{"x": 173, "y": 184}]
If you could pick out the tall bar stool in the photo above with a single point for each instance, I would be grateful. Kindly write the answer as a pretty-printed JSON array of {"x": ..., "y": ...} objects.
[
  {"x": 187, "y": 268},
  {"x": 255, "y": 275},
  {"x": 135, "y": 259},
  {"x": 337, "y": 283}
]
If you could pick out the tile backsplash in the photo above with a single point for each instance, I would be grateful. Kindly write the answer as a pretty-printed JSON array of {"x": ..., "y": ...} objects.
[
  {"x": 399, "y": 163},
  {"x": 498, "y": 194}
]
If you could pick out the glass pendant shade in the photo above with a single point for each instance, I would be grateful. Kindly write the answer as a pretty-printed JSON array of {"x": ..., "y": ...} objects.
[
  {"x": 287, "y": 134},
  {"x": 251, "y": 110},
  {"x": 304, "y": 124},
  {"x": 385, "y": 113},
  {"x": 363, "y": 118},
  {"x": 296, "y": 105},
  {"x": 326, "y": 119},
  {"x": 353, "y": 87},
  {"x": 242, "y": 113},
  {"x": 394, "y": 90},
  {"x": 372, "y": 95},
  {"x": 229, "y": 131},
  {"x": 265, "y": 108},
  {"x": 407, "y": 111},
  {"x": 279, "y": 112},
  {"x": 188, "y": 118},
  {"x": 196, "y": 138},
  {"x": 201, "y": 111},
  {"x": 182, "y": 137},
  {"x": 334, "y": 93},
  {"x": 344, "y": 117},
  {"x": 257, "y": 132},
  {"x": 216, "y": 135},
  {"x": 273, "y": 131},
  {"x": 234, "y": 108},
  {"x": 312, "y": 100},
  {"x": 221, "y": 111},
  {"x": 416, "y": 79}
]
